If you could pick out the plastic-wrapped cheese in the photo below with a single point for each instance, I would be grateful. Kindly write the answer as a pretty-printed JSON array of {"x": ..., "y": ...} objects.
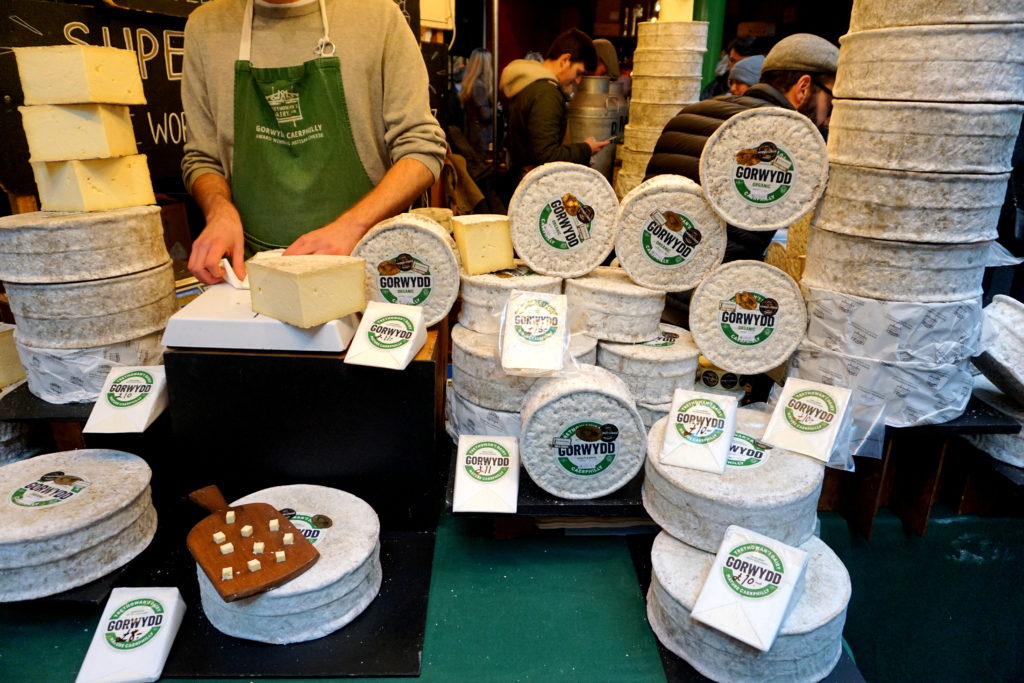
[
  {"x": 747, "y": 317},
  {"x": 668, "y": 237},
  {"x": 581, "y": 436},
  {"x": 885, "y": 13},
  {"x": 653, "y": 369},
  {"x": 608, "y": 305},
  {"x": 411, "y": 260},
  {"x": 1003, "y": 341},
  {"x": 563, "y": 219},
  {"x": 764, "y": 168},
  {"x": 484, "y": 296},
  {"x": 1008, "y": 448}
]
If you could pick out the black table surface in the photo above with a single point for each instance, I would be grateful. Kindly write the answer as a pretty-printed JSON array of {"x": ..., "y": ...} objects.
[{"x": 23, "y": 405}]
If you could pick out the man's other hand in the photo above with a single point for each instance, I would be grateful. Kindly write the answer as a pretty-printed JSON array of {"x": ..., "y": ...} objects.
[
  {"x": 339, "y": 237},
  {"x": 596, "y": 145}
]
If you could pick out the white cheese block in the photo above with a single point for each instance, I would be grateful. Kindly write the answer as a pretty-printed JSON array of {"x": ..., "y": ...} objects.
[
  {"x": 608, "y": 305},
  {"x": 563, "y": 219},
  {"x": 894, "y": 271},
  {"x": 439, "y": 215},
  {"x": 535, "y": 337},
  {"x": 77, "y": 131},
  {"x": 486, "y": 474},
  {"x": 466, "y": 417},
  {"x": 307, "y": 290},
  {"x": 912, "y": 207},
  {"x": 389, "y": 336},
  {"x": 894, "y": 330},
  {"x": 664, "y": 90},
  {"x": 70, "y": 74},
  {"x": 1003, "y": 341},
  {"x": 808, "y": 418},
  {"x": 986, "y": 60},
  {"x": 654, "y": 369},
  {"x": 484, "y": 242},
  {"x": 764, "y": 168},
  {"x": 11, "y": 370},
  {"x": 78, "y": 315},
  {"x": 47, "y": 247},
  {"x": 668, "y": 236},
  {"x": 581, "y": 436},
  {"x": 676, "y": 62},
  {"x": 915, "y": 393},
  {"x": 411, "y": 260},
  {"x": 672, "y": 33},
  {"x": 884, "y": 13},
  {"x": 641, "y": 139},
  {"x": 747, "y": 317},
  {"x": 808, "y": 645},
  {"x": 923, "y": 136},
  {"x": 699, "y": 430},
  {"x": 93, "y": 184},
  {"x": 484, "y": 296},
  {"x": 1008, "y": 448}
]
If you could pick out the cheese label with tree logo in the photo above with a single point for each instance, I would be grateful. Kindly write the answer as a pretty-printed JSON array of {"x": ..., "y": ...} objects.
[
  {"x": 748, "y": 318},
  {"x": 565, "y": 223},
  {"x": 669, "y": 238},
  {"x": 811, "y": 410},
  {"x": 391, "y": 332},
  {"x": 699, "y": 431},
  {"x": 763, "y": 175},
  {"x": 49, "y": 490},
  {"x": 753, "y": 570},
  {"x": 134, "y": 624},
  {"x": 808, "y": 417},
  {"x": 584, "y": 448},
  {"x": 534, "y": 336},
  {"x": 130, "y": 388},
  {"x": 747, "y": 452},
  {"x": 486, "y": 461},
  {"x": 486, "y": 474},
  {"x": 700, "y": 421},
  {"x": 389, "y": 336},
  {"x": 404, "y": 279}
]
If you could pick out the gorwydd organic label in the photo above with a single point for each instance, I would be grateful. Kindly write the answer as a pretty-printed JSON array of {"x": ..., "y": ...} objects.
[
  {"x": 565, "y": 223},
  {"x": 748, "y": 318},
  {"x": 404, "y": 279},
  {"x": 669, "y": 238},
  {"x": 747, "y": 452},
  {"x": 49, "y": 490},
  {"x": 764, "y": 175},
  {"x": 585, "y": 449},
  {"x": 311, "y": 525}
]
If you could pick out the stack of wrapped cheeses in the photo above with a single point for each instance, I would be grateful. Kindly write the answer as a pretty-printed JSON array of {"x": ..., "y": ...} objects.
[
  {"x": 89, "y": 277},
  {"x": 919, "y": 149},
  {"x": 666, "y": 76}
]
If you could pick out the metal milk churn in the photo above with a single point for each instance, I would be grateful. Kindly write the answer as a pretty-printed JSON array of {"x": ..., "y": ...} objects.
[
  {"x": 593, "y": 113},
  {"x": 615, "y": 90}
]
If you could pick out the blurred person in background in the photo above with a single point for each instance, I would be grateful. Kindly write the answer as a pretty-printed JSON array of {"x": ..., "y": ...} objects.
[
  {"x": 738, "y": 48},
  {"x": 477, "y": 97},
  {"x": 745, "y": 73}
]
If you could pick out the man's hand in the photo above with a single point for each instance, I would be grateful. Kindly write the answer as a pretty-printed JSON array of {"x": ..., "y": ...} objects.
[
  {"x": 596, "y": 146},
  {"x": 222, "y": 234},
  {"x": 337, "y": 237}
]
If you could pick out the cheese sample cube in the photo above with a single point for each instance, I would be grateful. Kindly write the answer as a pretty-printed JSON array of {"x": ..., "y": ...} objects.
[
  {"x": 484, "y": 242},
  {"x": 219, "y": 537},
  {"x": 93, "y": 184},
  {"x": 229, "y": 516},
  {"x": 227, "y": 573},
  {"x": 275, "y": 525},
  {"x": 78, "y": 131},
  {"x": 257, "y": 548},
  {"x": 247, "y": 531},
  {"x": 289, "y": 539},
  {"x": 279, "y": 556},
  {"x": 306, "y": 291},
  {"x": 72, "y": 74},
  {"x": 254, "y": 565},
  {"x": 11, "y": 369},
  {"x": 227, "y": 549}
]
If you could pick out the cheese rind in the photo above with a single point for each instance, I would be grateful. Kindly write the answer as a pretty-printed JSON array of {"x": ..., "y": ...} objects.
[
  {"x": 483, "y": 296},
  {"x": 1003, "y": 340},
  {"x": 653, "y": 369},
  {"x": 484, "y": 242},
  {"x": 78, "y": 131},
  {"x": 93, "y": 184},
  {"x": 69, "y": 74},
  {"x": 307, "y": 291},
  {"x": 885, "y": 13},
  {"x": 607, "y": 304}
]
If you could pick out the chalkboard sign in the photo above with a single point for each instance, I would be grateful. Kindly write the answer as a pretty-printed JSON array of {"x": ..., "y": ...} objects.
[{"x": 436, "y": 57}]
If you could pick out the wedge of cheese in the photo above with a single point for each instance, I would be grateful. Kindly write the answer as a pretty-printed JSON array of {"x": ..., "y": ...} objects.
[
  {"x": 78, "y": 131},
  {"x": 73, "y": 74},
  {"x": 484, "y": 242},
  {"x": 93, "y": 184},
  {"x": 306, "y": 291}
]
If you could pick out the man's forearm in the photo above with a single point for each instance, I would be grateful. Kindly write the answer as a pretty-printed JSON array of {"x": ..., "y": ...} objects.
[
  {"x": 400, "y": 186},
  {"x": 213, "y": 195}
]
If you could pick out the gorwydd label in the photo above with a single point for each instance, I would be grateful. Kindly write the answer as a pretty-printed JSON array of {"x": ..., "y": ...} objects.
[
  {"x": 312, "y": 526},
  {"x": 747, "y": 452},
  {"x": 764, "y": 175},
  {"x": 584, "y": 449},
  {"x": 49, "y": 490},
  {"x": 535, "y": 321},
  {"x": 130, "y": 389},
  {"x": 486, "y": 461},
  {"x": 810, "y": 411},
  {"x": 565, "y": 223},
  {"x": 134, "y": 624},
  {"x": 753, "y": 570},
  {"x": 700, "y": 421},
  {"x": 669, "y": 238},
  {"x": 748, "y": 318},
  {"x": 404, "y": 279},
  {"x": 391, "y": 332}
]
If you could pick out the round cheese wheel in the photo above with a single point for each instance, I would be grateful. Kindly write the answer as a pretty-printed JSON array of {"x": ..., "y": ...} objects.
[
  {"x": 484, "y": 296},
  {"x": 885, "y": 13},
  {"x": 410, "y": 259},
  {"x": 1003, "y": 359},
  {"x": 672, "y": 33},
  {"x": 653, "y": 369},
  {"x": 764, "y": 168},
  {"x": 608, "y": 305},
  {"x": 747, "y": 317},
  {"x": 563, "y": 219},
  {"x": 439, "y": 215}
]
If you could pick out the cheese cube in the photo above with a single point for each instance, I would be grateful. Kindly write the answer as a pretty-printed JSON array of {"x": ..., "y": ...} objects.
[
  {"x": 71, "y": 74},
  {"x": 229, "y": 516},
  {"x": 227, "y": 573},
  {"x": 219, "y": 537},
  {"x": 78, "y": 131},
  {"x": 93, "y": 184},
  {"x": 227, "y": 549},
  {"x": 247, "y": 531},
  {"x": 306, "y": 291},
  {"x": 289, "y": 539},
  {"x": 484, "y": 242},
  {"x": 279, "y": 556},
  {"x": 257, "y": 548},
  {"x": 254, "y": 565},
  {"x": 275, "y": 525},
  {"x": 11, "y": 370}
]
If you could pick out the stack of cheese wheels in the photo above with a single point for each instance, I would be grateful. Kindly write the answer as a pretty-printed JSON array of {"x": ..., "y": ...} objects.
[
  {"x": 654, "y": 369},
  {"x": 71, "y": 518},
  {"x": 918, "y": 176},
  {"x": 666, "y": 77},
  {"x": 608, "y": 305},
  {"x": 334, "y": 591},
  {"x": 808, "y": 645},
  {"x": 581, "y": 435},
  {"x": 483, "y": 297}
]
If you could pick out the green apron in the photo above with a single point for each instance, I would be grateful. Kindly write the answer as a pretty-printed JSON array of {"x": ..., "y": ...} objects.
[{"x": 295, "y": 167}]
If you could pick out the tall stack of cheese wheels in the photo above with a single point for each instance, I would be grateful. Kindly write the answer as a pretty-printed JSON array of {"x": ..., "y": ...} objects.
[{"x": 918, "y": 173}]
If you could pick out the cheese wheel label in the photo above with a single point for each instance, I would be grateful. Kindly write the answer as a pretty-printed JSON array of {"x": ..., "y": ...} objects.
[
  {"x": 487, "y": 461},
  {"x": 747, "y": 452},
  {"x": 700, "y": 421},
  {"x": 565, "y": 223},
  {"x": 662, "y": 340},
  {"x": 764, "y": 175},
  {"x": 130, "y": 388},
  {"x": 404, "y": 279},
  {"x": 391, "y": 332},
  {"x": 49, "y": 490},
  {"x": 535, "y": 320},
  {"x": 584, "y": 449},
  {"x": 312, "y": 526},
  {"x": 518, "y": 271},
  {"x": 134, "y": 624},
  {"x": 669, "y": 239},
  {"x": 753, "y": 570},
  {"x": 811, "y": 411},
  {"x": 748, "y": 318}
]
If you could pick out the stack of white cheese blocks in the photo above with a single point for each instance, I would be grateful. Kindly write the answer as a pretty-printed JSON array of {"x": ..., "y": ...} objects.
[
  {"x": 90, "y": 270},
  {"x": 920, "y": 141},
  {"x": 666, "y": 77}
]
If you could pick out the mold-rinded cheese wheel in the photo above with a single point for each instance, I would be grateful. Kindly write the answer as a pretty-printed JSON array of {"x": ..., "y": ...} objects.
[
  {"x": 672, "y": 34},
  {"x": 747, "y": 317},
  {"x": 663, "y": 90},
  {"x": 49, "y": 247},
  {"x": 78, "y": 315},
  {"x": 640, "y": 139},
  {"x": 608, "y": 305},
  {"x": 411, "y": 260},
  {"x": 563, "y": 219},
  {"x": 669, "y": 239},
  {"x": 809, "y": 643},
  {"x": 950, "y": 63},
  {"x": 93, "y": 184},
  {"x": 1003, "y": 359},
  {"x": 777, "y": 497},
  {"x": 894, "y": 271},
  {"x": 907, "y": 206},
  {"x": 654, "y": 369},
  {"x": 1008, "y": 448},
  {"x": 764, "y": 168},
  {"x": 652, "y": 413},
  {"x": 923, "y": 136},
  {"x": 654, "y": 114},
  {"x": 676, "y": 62},
  {"x": 74, "y": 74},
  {"x": 77, "y": 131},
  {"x": 581, "y": 437},
  {"x": 869, "y": 14},
  {"x": 484, "y": 296}
]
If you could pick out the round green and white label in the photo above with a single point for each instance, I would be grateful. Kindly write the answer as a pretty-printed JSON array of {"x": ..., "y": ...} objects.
[
  {"x": 49, "y": 490},
  {"x": 130, "y": 389},
  {"x": 764, "y": 175},
  {"x": 663, "y": 339},
  {"x": 669, "y": 239},
  {"x": 747, "y": 452},
  {"x": 487, "y": 461},
  {"x": 312, "y": 526},
  {"x": 134, "y": 624},
  {"x": 753, "y": 570},
  {"x": 700, "y": 421},
  {"x": 404, "y": 279},
  {"x": 565, "y": 223},
  {"x": 584, "y": 449},
  {"x": 748, "y": 318},
  {"x": 811, "y": 411},
  {"x": 391, "y": 332},
  {"x": 535, "y": 320}
]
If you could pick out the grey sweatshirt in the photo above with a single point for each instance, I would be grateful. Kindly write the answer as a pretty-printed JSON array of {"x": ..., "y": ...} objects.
[{"x": 382, "y": 71}]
